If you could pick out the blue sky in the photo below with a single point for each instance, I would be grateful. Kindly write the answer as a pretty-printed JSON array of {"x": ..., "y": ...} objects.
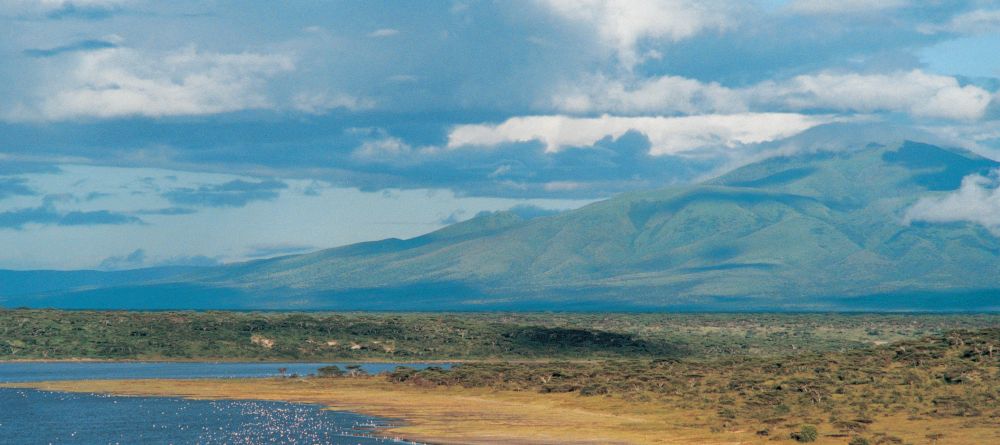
[{"x": 137, "y": 133}]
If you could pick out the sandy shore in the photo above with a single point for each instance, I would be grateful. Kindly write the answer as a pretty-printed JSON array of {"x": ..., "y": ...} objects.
[
  {"x": 480, "y": 416},
  {"x": 449, "y": 415}
]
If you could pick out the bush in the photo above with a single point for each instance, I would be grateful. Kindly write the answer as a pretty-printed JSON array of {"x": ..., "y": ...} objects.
[
  {"x": 859, "y": 441},
  {"x": 808, "y": 433},
  {"x": 330, "y": 371}
]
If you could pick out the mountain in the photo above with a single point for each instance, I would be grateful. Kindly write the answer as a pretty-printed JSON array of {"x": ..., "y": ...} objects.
[
  {"x": 40, "y": 283},
  {"x": 817, "y": 230}
]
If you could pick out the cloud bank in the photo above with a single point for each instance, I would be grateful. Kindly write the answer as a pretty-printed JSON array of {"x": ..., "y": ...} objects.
[
  {"x": 915, "y": 92},
  {"x": 666, "y": 135},
  {"x": 976, "y": 201}
]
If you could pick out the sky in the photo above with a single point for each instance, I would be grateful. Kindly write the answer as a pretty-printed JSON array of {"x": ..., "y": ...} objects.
[{"x": 137, "y": 133}]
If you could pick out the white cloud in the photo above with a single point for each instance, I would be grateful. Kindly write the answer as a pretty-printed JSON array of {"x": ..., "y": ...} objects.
[
  {"x": 622, "y": 24},
  {"x": 813, "y": 7},
  {"x": 319, "y": 103},
  {"x": 980, "y": 21},
  {"x": 976, "y": 201},
  {"x": 385, "y": 148},
  {"x": 562, "y": 186},
  {"x": 384, "y": 32},
  {"x": 667, "y": 135},
  {"x": 978, "y": 137},
  {"x": 122, "y": 82},
  {"x": 914, "y": 92},
  {"x": 666, "y": 94}
]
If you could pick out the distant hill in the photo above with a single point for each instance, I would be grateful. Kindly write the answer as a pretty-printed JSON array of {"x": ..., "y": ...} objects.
[{"x": 819, "y": 230}]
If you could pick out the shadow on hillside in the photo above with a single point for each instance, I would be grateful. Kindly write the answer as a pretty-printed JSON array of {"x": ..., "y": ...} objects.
[{"x": 567, "y": 340}]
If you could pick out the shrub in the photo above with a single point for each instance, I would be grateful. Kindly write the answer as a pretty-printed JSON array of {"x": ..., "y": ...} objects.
[
  {"x": 807, "y": 433},
  {"x": 330, "y": 371},
  {"x": 859, "y": 441}
]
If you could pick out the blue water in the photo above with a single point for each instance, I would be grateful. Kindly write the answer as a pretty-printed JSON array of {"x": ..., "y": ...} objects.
[
  {"x": 42, "y": 371},
  {"x": 30, "y": 416},
  {"x": 39, "y": 417}
]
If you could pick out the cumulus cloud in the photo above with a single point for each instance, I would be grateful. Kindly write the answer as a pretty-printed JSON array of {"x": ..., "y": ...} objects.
[
  {"x": 667, "y": 135},
  {"x": 666, "y": 94},
  {"x": 976, "y": 201},
  {"x": 623, "y": 24},
  {"x": 810, "y": 7},
  {"x": 917, "y": 93},
  {"x": 125, "y": 82},
  {"x": 235, "y": 193}
]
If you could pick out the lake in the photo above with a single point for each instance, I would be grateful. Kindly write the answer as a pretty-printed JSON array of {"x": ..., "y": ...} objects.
[
  {"x": 43, "y": 371},
  {"x": 30, "y": 416}
]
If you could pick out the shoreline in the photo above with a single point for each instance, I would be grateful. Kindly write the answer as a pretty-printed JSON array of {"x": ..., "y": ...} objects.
[
  {"x": 451, "y": 415},
  {"x": 318, "y": 361},
  {"x": 225, "y": 360},
  {"x": 445, "y": 416}
]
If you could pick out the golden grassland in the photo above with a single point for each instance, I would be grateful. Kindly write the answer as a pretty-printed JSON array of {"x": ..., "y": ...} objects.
[{"x": 479, "y": 416}]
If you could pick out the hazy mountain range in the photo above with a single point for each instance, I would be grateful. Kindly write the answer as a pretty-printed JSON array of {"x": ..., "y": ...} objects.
[{"x": 814, "y": 230}]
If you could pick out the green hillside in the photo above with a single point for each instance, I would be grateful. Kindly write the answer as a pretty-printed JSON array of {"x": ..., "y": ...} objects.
[
  {"x": 785, "y": 230},
  {"x": 820, "y": 230}
]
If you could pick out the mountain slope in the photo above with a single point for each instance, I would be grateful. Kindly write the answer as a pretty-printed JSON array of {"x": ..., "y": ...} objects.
[
  {"x": 820, "y": 230},
  {"x": 33, "y": 282},
  {"x": 819, "y": 224}
]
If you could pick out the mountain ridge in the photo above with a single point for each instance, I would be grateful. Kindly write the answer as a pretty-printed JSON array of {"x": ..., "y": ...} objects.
[{"x": 808, "y": 231}]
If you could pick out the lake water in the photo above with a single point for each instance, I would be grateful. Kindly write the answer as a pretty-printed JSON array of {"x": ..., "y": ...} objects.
[
  {"x": 40, "y": 417},
  {"x": 42, "y": 371}
]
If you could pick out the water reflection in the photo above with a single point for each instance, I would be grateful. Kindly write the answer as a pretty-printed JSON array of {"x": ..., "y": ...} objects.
[{"x": 31, "y": 416}]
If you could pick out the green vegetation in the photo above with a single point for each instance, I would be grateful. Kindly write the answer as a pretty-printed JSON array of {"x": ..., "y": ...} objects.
[
  {"x": 330, "y": 371},
  {"x": 841, "y": 394},
  {"x": 829, "y": 378},
  {"x": 51, "y": 334},
  {"x": 808, "y": 433}
]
